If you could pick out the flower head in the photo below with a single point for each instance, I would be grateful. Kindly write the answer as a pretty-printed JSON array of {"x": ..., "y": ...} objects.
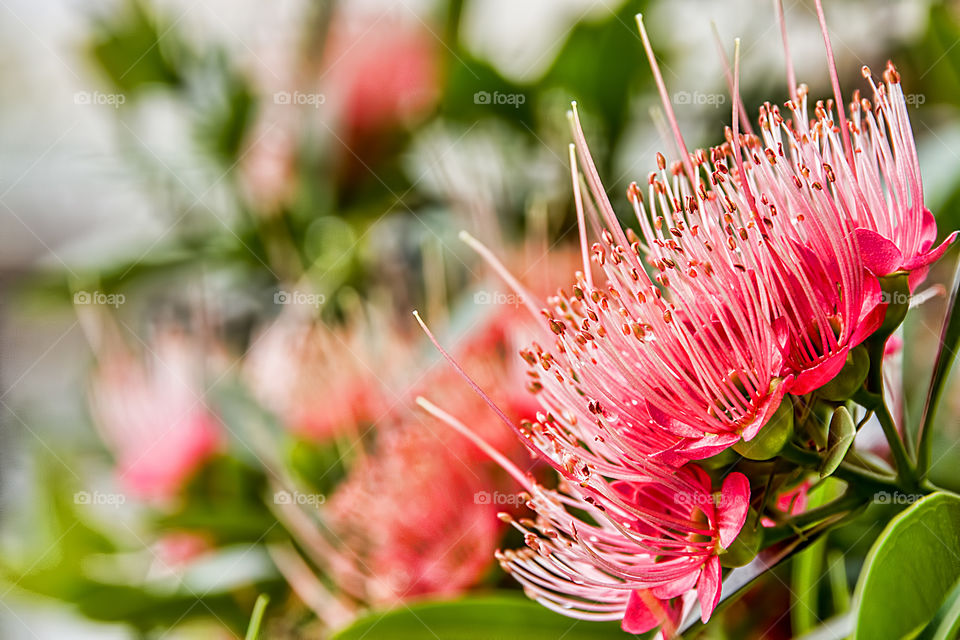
[
  {"x": 316, "y": 378},
  {"x": 895, "y": 230},
  {"x": 152, "y": 414}
]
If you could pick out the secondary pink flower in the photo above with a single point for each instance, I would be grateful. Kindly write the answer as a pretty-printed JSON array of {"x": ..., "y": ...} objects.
[
  {"x": 648, "y": 544},
  {"x": 412, "y": 519},
  {"x": 321, "y": 381},
  {"x": 653, "y": 532},
  {"x": 896, "y": 231},
  {"x": 152, "y": 414},
  {"x": 651, "y": 543},
  {"x": 380, "y": 72}
]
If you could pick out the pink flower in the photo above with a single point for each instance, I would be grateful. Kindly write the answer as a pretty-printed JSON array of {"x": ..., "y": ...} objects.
[
  {"x": 381, "y": 72},
  {"x": 152, "y": 414},
  {"x": 896, "y": 232},
  {"x": 407, "y": 520},
  {"x": 653, "y": 535},
  {"x": 649, "y": 542},
  {"x": 318, "y": 380},
  {"x": 791, "y": 502},
  {"x": 654, "y": 541}
]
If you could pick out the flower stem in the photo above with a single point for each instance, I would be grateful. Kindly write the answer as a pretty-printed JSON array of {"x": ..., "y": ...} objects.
[
  {"x": 866, "y": 481},
  {"x": 876, "y": 403}
]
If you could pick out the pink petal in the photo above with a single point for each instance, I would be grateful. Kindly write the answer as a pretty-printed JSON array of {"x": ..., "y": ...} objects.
[
  {"x": 879, "y": 254},
  {"x": 679, "y": 586},
  {"x": 928, "y": 229},
  {"x": 734, "y": 504},
  {"x": 817, "y": 376},
  {"x": 672, "y": 425},
  {"x": 708, "y": 590},
  {"x": 868, "y": 324},
  {"x": 769, "y": 407},
  {"x": 931, "y": 256},
  {"x": 644, "y": 612},
  {"x": 916, "y": 277}
]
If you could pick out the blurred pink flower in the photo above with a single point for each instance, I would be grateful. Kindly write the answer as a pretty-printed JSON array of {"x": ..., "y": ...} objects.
[
  {"x": 412, "y": 519},
  {"x": 151, "y": 413},
  {"x": 322, "y": 381},
  {"x": 380, "y": 72},
  {"x": 178, "y": 549}
]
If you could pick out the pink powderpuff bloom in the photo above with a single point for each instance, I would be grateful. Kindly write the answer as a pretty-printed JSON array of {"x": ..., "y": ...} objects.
[
  {"x": 407, "y": 521},
  {"x": 896, "y": 232},
  {"x": 319, "y": 380},
  {"x": 646, "y": 547},
  {"x": 655, "y": 541},
  {"x": 653, "y": 536},
  {"x": 381, "y": 72},
  {"x": 151, "y": 413}
]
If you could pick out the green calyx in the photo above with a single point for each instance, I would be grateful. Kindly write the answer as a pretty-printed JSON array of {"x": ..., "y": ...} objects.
[
  {"x": 896, "y": 293},
  {"x": 850, "y": 379},
  {"x": 746, "y": 545},
  {"x": 772, "y": 437}
]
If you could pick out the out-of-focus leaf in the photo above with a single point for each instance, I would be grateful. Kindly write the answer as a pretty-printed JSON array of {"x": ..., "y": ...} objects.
[
  {"x": 134, "y": 51},
  {"x": 945, "y": 624},
  {"x": 949, "y": 343},
  {"x": 910, "y": 569},
  {"x": 224, "y": 113},
  {"x": 223, "y": 501},
  {"x": 478, "y": 618},
  {"x": 601, "y": 63},
  {"x": 474, "y": 89},
  {"x": 62, "y": 573},
  {"x": 321, "y": 466}
]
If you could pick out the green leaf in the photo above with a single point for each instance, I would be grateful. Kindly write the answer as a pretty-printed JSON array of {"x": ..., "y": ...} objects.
[
  {"x": 839, "y": 438},
  {"x": 949, "y": 342},
  {"x": 910, "y": 569},
  {"x": 500, "y": 615},
  {"x": 809, "y": 566},
  {"x": 134, "y": 51},
  {"x": 256, "y": 620},
  {"x": 945, "y": 624}
]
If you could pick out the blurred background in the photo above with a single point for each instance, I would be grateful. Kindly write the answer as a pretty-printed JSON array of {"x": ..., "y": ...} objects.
[{"x": 256, "y": 195}]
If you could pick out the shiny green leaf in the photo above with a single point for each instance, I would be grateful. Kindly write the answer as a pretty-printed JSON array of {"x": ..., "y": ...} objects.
[{"x": 910, "y": 570}]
